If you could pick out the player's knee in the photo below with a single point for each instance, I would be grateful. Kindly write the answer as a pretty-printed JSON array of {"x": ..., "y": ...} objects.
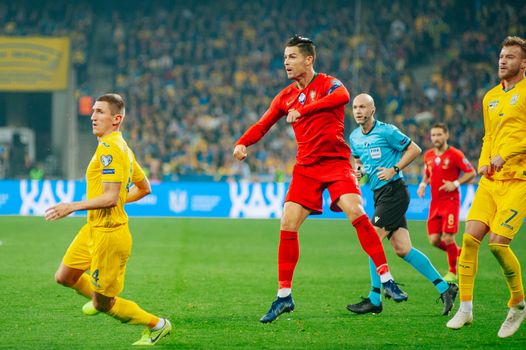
[
  {"x": 434, "y": 240},
  {"x": 102, "y": 304},
  {"x": 288, "y": 225},
  {"x": 401, "y": 250},
  {"x": 59, "y": 279},
  {"x": 64, "y": 280},
  {"x": 498, "y": 249},
  {"x": 470, "y": 242},
  {"x": 355, "y": 212}
]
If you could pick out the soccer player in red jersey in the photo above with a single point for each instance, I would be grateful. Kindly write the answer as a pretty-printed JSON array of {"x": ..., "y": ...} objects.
[
  {"x": 443, "y": 165},
  {"x": 314, "y": 105}
]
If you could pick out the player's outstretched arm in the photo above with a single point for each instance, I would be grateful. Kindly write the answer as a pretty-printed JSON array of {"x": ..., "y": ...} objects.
[
  {"x": 109, "y": 198},
  {"x": 240, "y": 152},
  {"x": 139, "y": 190}
]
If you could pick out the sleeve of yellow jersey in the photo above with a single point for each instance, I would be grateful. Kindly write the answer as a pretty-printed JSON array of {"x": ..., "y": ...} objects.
[
  {"x": 112, "y": 163},
  {"x": 137, "y": 172},
  {"x": 485, "y": 152}
]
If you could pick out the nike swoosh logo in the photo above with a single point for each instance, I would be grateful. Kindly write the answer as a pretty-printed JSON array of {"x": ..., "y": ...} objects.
[{"x": 153, "y": 340}]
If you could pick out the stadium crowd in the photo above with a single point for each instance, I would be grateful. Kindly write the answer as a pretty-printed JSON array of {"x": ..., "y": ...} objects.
[
  {"x": 44, "y": 18},
  {"x": 196, "y": 76}
]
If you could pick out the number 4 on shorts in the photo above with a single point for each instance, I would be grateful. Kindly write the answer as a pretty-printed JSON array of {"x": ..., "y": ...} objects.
[{"x": 95, "y": 274}]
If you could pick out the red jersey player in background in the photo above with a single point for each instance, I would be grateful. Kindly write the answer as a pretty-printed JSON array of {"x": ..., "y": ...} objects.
[
  {"x": 442, "y": 166},
  {"x": 314, "y": 105}
]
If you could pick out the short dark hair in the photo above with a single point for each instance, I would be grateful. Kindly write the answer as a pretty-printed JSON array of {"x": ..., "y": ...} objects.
[
  {"x": 305, "y": 45},
  {"x": 441, "y": 126},
  {"x": 515, "y": 41},
  {"x": 115, "y": 101}
]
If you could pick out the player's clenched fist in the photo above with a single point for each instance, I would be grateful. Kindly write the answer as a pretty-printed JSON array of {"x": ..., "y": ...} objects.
[
  {"x": 240, "y": 152},
  {"x": 293, "y": 116}
]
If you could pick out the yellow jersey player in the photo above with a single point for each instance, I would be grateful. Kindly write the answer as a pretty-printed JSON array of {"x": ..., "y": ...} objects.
[
  {"x": 499, "y": 207},
  {"x": 103, "y": 244}
]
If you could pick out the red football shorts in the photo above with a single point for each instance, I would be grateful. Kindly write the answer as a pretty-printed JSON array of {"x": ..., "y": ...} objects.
[
  {"x": 309, "y": 182},
  {"x": 443, "y": 216}
]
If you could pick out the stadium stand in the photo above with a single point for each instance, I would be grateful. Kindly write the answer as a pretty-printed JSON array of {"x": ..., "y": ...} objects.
[{"x": 196, "y": 75}]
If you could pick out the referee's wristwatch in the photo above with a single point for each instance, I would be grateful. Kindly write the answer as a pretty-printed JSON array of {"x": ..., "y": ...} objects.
[{"x": 396, "y": 169}]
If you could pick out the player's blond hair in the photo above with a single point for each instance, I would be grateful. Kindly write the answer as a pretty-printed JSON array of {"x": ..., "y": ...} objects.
[{"x": 515, "y": 41}]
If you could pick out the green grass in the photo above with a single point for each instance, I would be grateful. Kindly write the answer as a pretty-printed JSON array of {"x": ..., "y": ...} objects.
[{"x": 215, "y": 278}]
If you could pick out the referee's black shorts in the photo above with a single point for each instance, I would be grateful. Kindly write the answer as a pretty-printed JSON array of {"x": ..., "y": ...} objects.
[{"x": 390, "y": 205}]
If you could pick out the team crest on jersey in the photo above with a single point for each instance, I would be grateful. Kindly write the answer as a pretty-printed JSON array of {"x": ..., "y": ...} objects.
[
  {"x": 312, "y": 95},
  {"x": 437, "y": 160},
  {"x": 106, "y": 160},
  {"x": 493, "y": 104},
  {"x": 302, "y": 98},
  {"x": 446, "y": 161},
  {"x": 514, "y": 99}
]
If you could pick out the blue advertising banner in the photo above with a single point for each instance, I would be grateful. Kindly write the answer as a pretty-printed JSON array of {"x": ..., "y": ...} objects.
[{"x": 194, "y": 199}]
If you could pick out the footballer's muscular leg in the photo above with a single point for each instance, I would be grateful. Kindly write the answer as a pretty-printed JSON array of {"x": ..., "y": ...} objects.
[
  {"x": 452, "y": 250},
  {"x": 468, "y": 261},
  {"x": 293, "y": 216},
  {"x": 352, "y": 206},
  {"x": 124, "y": 310},
  {"x": 401, "y": 243},
  {"x": 435, "y": 239},
  {"x": 400, "y": 240},
  {"x": 102, "y": 302},
  {"x": 74, "y": 278},
  {"x": 121, "y": 309},
  {"x": 511, "y": 268}
]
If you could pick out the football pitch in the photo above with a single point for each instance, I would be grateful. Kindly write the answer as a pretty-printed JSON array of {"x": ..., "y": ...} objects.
[{"x": 214, "y": 279}]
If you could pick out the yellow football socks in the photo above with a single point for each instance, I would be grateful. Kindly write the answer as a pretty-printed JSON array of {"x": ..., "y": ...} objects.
[
  {"x": 127, "y": 311},
  {"x": 511, "y": 269},
  {"x": 467, "y": 266},
  {"x": 83, "y": 286}
]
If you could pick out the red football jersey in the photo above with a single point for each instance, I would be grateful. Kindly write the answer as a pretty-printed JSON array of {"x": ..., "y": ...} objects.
[
  {"x": 319, "y": 131},
  {"x": 445, "y": 167}
]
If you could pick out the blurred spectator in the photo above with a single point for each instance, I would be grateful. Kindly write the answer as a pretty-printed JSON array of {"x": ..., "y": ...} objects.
[
  {"x": 195, "y": 75},
  {"x": 37, "y": 172},
  {"x": 18, "y": 158}
]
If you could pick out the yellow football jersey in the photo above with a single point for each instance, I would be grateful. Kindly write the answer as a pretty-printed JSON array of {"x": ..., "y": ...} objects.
[
  {"x": 505, "y": 130},
  {"x": 113, "y": 161}
]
